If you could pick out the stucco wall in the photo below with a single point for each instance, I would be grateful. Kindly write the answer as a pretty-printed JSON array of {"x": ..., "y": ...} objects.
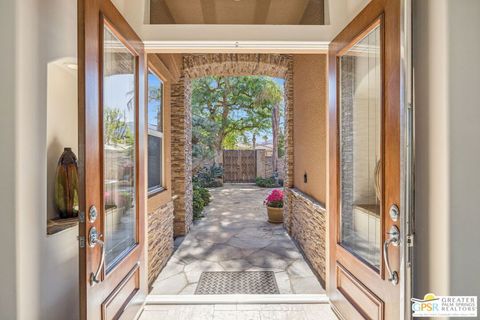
[
  {"x": 304, "y": 213},
  {"x": 8, "y": 266},
  {"x": 309, "y": 124},
  {"x": 447, "y": 132},
  {"x": 45, "y": 268}
]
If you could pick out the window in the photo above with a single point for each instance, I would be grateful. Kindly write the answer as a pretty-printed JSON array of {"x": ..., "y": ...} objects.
[
  {"x": 361, "y": 148},
  {"x": 119, "y": 160},
  {"x": 155, "y": 133}
]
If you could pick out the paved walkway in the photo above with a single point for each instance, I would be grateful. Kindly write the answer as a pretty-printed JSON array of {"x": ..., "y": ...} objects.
[{"x": 235, "y": 236}]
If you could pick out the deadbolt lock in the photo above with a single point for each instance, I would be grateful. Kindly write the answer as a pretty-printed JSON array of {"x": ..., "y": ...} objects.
[
  {"x": 92, "y": 214},
  {"x": 394, "y": 212}
]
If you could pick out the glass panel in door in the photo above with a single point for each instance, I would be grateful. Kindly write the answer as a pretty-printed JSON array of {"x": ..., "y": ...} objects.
[
  {"x": 119, "y": 128},
  {"x": 360, "y": 100}
]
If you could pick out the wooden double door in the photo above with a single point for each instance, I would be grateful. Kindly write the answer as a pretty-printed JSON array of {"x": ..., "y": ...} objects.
[
  {"x": 364, "y": 156},
  {"x": 239, "y": 166}
]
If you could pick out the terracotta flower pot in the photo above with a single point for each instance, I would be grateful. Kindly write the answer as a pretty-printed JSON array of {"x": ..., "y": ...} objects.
[{"x": 275, "y": 215}]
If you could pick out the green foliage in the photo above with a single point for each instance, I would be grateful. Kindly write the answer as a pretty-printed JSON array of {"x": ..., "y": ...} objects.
[
  {"x": 226, "y": 109},
  {"x": 266, "y": 182},
  {"x": 209, "y": 177},
  {"x": 280, "y": 182},
  {"x": 203, "y": 138},
  {"x": 116, "y": 129},
  {"x": 198, "y": 205},
  {"x": 205, "y": 195},
  {"x": 201, "y": 199}
]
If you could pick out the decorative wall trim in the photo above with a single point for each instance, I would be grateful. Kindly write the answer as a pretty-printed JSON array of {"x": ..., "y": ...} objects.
[{"x": 292, "y": 47}]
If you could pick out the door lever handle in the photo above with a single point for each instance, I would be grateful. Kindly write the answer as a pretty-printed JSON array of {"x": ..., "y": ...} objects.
[
  {"x": 394, "y": 240},
  {"x": 93, "y": 241}
]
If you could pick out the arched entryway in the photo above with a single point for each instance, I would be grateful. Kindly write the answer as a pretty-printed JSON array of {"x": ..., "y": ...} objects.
[{"x": 203, "y": 65}]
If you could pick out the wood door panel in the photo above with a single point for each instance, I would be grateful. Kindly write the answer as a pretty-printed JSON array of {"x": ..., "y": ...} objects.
[
  {"x": 365, "y": 302},
  {"x": 113, "y": 306}
]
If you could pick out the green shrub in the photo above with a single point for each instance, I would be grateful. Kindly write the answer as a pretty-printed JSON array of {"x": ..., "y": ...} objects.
[
  {"x": 214, "y": 184},
  {"x": 205, "y": 195},
  {"x": 201, "y": 198},
  {"x": 280, "y": 182},
  {"x": 266, "y": 182},
  {"x": 209, "y": 177},
  {"x": 198, "y": 204}
]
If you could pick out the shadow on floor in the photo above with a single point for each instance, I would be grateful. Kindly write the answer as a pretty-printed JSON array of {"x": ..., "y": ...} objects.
[{"x": 235, "y": 236}]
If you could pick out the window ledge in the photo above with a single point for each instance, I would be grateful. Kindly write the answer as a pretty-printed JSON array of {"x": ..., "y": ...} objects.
[
  {"x": 155, "y": 192},
  {"x": 57, "y": 225}
]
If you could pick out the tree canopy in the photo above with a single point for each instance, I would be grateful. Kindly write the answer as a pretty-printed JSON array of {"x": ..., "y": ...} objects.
[{"x": 227, "y": 111}]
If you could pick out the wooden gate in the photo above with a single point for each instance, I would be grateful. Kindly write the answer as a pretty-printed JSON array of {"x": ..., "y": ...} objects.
[{"x": 239, "y": 166}]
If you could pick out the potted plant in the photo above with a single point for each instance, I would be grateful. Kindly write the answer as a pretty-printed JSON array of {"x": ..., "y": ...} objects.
[{"x": 274, "y": 203}]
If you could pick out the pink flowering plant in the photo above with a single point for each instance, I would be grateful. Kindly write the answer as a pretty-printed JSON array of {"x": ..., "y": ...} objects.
[{"x": 274, "y": 199}]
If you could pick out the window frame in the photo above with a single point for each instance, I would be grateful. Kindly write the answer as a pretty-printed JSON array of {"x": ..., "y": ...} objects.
[{"x": 150, "y": 132}]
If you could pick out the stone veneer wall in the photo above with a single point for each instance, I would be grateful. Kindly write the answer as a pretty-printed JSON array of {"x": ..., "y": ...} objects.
[
  {"x": 201, "y": 65},
  {"x": 269, "y": 167},
  {"x": 160, "y": 240},
  {"x": 347, "y": 140},
  {"x": 308, "y": 228},
  {"x": 181, "y": 126},
  {"x": 288, "y": 159}
]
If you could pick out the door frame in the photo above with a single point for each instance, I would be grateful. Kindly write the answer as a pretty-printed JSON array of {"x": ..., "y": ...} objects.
[
  {"x": 407, "y": 160},
  {"x": 407, "y": 126}
]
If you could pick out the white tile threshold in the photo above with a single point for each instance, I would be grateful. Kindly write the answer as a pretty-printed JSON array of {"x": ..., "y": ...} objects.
[{"x": 237, "y": 299}]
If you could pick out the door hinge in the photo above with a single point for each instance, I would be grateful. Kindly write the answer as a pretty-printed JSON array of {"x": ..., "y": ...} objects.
[
  {"x": 410, "y": 240},
  {"x": 81, "y": 241}
]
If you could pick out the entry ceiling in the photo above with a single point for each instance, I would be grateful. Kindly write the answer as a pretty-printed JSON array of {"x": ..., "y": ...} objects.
[{"x": 271, "y": 12}]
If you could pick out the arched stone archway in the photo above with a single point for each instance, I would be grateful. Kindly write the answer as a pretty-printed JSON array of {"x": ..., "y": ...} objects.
[{"x": 202, "y": 65}]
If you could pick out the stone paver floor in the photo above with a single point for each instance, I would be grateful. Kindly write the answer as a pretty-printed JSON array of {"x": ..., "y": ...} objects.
[{"x": 235, "y": 236}]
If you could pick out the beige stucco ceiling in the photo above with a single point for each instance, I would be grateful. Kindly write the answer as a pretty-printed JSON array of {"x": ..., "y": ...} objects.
[{"x": 270, "y": 12}]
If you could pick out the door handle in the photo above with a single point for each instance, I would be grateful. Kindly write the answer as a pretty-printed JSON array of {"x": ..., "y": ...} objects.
[
  {"x": 93, "y": 241},
  {"x": 394, "y": 239}
]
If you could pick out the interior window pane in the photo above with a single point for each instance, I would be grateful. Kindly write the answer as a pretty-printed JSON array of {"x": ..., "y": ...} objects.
[
  {"x": 154, "y": 162},
  {"x": 360, "y": 148},
  {"x": 119, "y": 148},
  {"x": 155, "y": 100}
]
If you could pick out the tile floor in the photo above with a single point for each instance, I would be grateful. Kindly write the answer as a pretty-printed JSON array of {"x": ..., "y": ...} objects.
[
  {"x": 239, "y": 312},
  {"x": 235, "y": 236}
]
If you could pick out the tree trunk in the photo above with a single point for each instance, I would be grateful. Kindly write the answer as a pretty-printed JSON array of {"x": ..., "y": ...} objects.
[
  {"x": 218, "y": 156},
  {"x": 254, "y": 141},
  {"x": 275, "y": 133}
]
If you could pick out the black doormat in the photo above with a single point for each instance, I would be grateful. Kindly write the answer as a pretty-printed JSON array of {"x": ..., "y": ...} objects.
[{"x": 237, "y": 282}]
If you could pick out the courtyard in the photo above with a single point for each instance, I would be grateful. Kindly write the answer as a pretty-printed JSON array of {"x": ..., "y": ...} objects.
[{"x": 235, "y": 235}]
